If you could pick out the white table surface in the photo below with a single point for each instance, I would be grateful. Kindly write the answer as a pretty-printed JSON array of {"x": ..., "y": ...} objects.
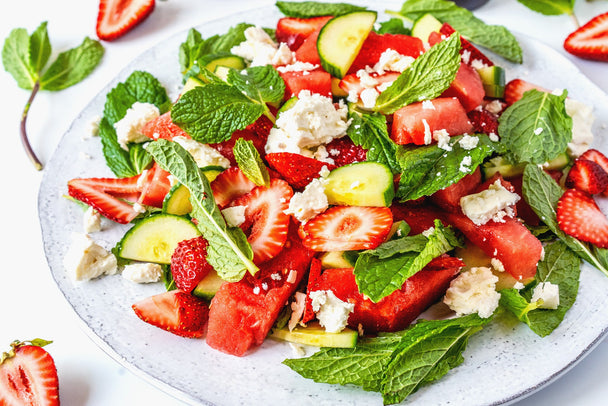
[{"x": 32, "y": 305}]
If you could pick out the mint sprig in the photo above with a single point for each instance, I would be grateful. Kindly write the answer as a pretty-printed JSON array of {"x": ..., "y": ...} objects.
[
  {"x": 394, "y": 364},
  {"x": 228, "y": 251},
  {"x": 25, "y": 57},
  {"x": 536, "y": 128},
  {"x": 262, "y": 84},
  {"x": 250, "y": 162},
  {"x": 425, "y": 79}
]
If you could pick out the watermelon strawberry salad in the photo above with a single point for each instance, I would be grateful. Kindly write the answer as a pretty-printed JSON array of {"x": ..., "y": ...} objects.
[{"x": 376, "y": 190}]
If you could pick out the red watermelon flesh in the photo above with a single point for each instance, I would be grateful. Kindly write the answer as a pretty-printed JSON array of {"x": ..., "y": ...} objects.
[
  {"x": 449, "y": 198},
  {"x": 307, "y": 52},
  {"x": 417, "y": 121},
  {"x": 396, "y": 311},
  {"x": 242, "y": 313},
  {"x": 163, "y": 127},
  {"x": 375, "y": 44},
  {"x": 467, "y": 87},
  {"x": 226, "y": 147},
  {"x": 316, "y": 81},
  {"x": 419, "y": 218}
]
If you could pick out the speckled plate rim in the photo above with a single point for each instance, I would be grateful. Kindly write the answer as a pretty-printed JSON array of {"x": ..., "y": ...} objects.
[{"x": 47, "y": 227}]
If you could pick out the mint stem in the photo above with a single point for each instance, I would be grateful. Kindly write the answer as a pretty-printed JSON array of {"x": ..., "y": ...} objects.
[
  {"x": 24, "y": 140},
  {"x": 575, "y": 19}
]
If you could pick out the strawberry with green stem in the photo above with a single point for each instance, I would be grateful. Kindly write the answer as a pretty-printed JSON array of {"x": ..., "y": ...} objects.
[{"x": 25, "y": 57}]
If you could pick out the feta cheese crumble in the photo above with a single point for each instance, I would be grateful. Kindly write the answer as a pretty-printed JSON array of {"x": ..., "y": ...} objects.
[
  {"x": 548, "y": 293},
  {"x": 494, "y": 203},
  {"x": 473, "y": 291},
  {"x": 235, "y": 215},
  {"x": 85, "y": 259},
  {"x": 128, "y": 129},
  {"x": 393, "y": 61},
  {"x": 468, "y": 142},
  {"x": 312, "y": 121},
  {"x": 203, "y": 154},
  {"x": 143, "y": 272},
  {"x": 582, "y": 121},
  {"x": 91, "y": 220},
  {"x": 310, "y": 202},
  {"x": 331, "y": 312},
  {"x": 261, "y": 50}
]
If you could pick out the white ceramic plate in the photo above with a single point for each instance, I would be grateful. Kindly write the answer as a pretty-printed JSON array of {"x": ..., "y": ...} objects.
[{"x": 502, "y": 363}]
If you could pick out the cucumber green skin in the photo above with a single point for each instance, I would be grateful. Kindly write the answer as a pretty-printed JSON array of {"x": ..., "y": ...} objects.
[
  {"x": 493, "y": 79},
  {"x": 494, "y": 91},
  {"x": 231, "y": 61},
  {"x": 208, "y": 287},
  {"x": 191, "y": 83},
  {"x": 507, "y": 170},
  {"x": 375, "y": 185},
  {"x": 330, "y": 47},
  {"x": 335, "y": 260},
  {"x": 317, "y": 336},
  {"x": 288, "y": 104},
  {"x": 423, "y": 27},
  {"x": 154, "y": 238},
  {"x": 177, "y": 200}
]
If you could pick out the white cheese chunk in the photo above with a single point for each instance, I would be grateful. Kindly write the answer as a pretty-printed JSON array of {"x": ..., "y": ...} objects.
[
  {"x": 310, "y": 202},
  {"x": 582, "y": 121},
  {"x": 143, "y": 272},
  {"x": 235, "y": 215},
  {"x": 128, "y": 129},
  {"x": 473, "y": 291},
  {"x": 548, "y": 293},
  {"x": 85, "y": 259},
  {"x": 91, "y": 220},
  {"x": 494, "y": 203},
  {"x": 331, "y": 312},
  {"x": 203, "y": 154}
]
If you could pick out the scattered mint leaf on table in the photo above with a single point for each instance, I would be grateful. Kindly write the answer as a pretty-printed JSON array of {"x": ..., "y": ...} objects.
[
  {"x": 228, "y": 251},
  {"x": 536, "y": 128},
  {"x": 308, "y": 9},
  {"x": 25, "y": 57},
  {"x": 426, "y": 78},
  {"x": 550, "y": 7},
  {"x": 250, "y": 162},
  {"x": 496, "y": 38},
  {"x": 542, "y": 193},
  {"x": 427, "y": 169},
  {"x": 394, "y": 364},
  {"x": 560, "y": 266},
  {"x": 141, "y": 87}
]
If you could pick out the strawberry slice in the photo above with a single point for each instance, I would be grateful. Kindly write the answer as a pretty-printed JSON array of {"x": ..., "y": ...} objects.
[
  {"x": 515, "y": 89},
  {"x": 587, "y": 176},
  {"x": 293, "y": 31},
  {"x": 597, "y": 157},
  {"x": 298, "y": 170},
  {"x": 344, "y": 151},
  {"x": 116, "y": 17},
  {"x": 226, "y": 148},
  {"x": 580, "y": 217},
  {"x": 175, "y": 311},
  {"x": 483, "y": 121},
  {"x": 591, "y": 40},
  {"x": 351, "y": 83},
  {"x": 345, "y": 228},
  {"x": 189, "y": 263},
  {"x": 314, "y": 274},
  {"x": 101, "y": 194},
  {"x": 229, "y": 185},
  {"x": 265, "y": 220},
  {"x": 156, "y": 185},
  {"x": 163, "y": 127},
  {"x": 465, "y": 46},
  {"x": 29, "y": 377}
]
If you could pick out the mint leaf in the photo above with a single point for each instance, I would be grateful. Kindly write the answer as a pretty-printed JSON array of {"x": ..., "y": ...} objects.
[
  {"x": 138, "y": 87},
  {"x": 228, "y": 251},
  {"x": 16, "y": 58},
  {"x": 211, "y": 113},
  {"x": 427, "y": 169},
  {"x": 393, "y": 26},
  {"x": 262, "y": 84},
  {"x": 542, "y": 193},
  {"x": 550, "y": 7},
  {"x": 371, "y": 133},
  {"x": 493, "y": 37},
  {"x": 308, "y": 9},
  {"x": 536, "y": 128},
  {"x": 382, "y": 271},
  {"x": 426, "y": 78},
  {"x": 139, "y": 157},
  {"x": 72, "y": 66},
  {"x": 40, "y": 48},
  {"x": 250, "y": 162},
  {"x": 561, "y": 266}
]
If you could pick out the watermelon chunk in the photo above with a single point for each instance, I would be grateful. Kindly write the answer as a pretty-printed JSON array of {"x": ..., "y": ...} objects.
[
  {"x": 415, "y": 123},
  {"x": 308, "y": 52},
  {"x": 163, "y": 127},
  {"x": 156, "y": 185},
  {"x": 316, "y": 81},
  {"x": 449, "y": 198},
  {"x": 376, "y": 44},
  {"x": 226, "y": 147},
  {"x": 242, "y": 313},
  {"x": 467, "y": 87},
  {"x": 293, "y": 31},
  {"x": 419, "y": 218},
  {"x": 396, "y": 311}
]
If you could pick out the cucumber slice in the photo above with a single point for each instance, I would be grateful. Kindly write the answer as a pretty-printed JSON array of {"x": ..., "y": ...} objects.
[
  {"x": 288, "y": 104},
  {"x": 316, "y": 335},
  {"x": 340, "y": 40},
  {"x": 493, "y": 79},
  {"x": 191, "y": 83},
  {"x": 177, "y": 200},
  {"x": 231, "y": 61},
  {"x": 208, "y": 287},
  {"x": 560, "y": 162},
  {"x": 154, "y": 238},
  {"x": 360, "y": 184},
  {"x": 222, "y": 72},
  {"x": 507, "y": 170},
  {"x": 335, "y": 260},
  {"x": 424, "y": 26},
  {"x": 336, "y": 90}
]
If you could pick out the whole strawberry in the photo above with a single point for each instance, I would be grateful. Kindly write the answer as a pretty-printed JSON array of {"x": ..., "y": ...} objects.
[
  {"x": 189, "y": 263},
  {"x": 28, "y": 375}
]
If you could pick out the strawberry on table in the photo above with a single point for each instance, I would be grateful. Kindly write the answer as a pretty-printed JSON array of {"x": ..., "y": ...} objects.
[
  {"x": 189, "y": 263},
  {"x": 587, "y": 176},
  {"x": 265, "y": 220},
  {"x": 298, "y": 170},
  {"x": 591, "y": 40},
  {"x": 579, "y": 216},
  {"x": 28, "y": 376},
  {"x": 345, "y": 228},
  {"x": 117, "y": 17},
  {"x": 175, "y": 311}
]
